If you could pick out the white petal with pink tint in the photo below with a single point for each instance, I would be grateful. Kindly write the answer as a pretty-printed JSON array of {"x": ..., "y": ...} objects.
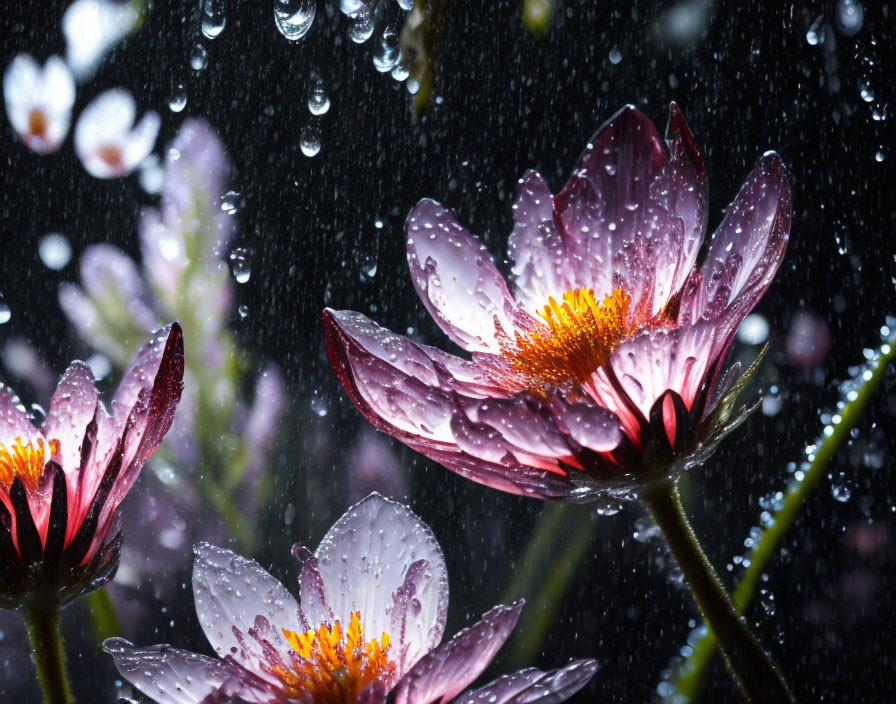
[
  {"x": 39, "y": 101},
  {"x": 230, "y": 591},
  {"x": 71, "y": 410},
  {"x": 456, "y": 279},
  {"x": 106, "y": 139},
  {"x": 92, "y": 28},
  {"x": 364, "y": 559}
]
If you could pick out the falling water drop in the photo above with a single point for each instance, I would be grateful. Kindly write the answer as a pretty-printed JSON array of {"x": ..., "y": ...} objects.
[
  {"x": 318, "y": 100},
  {"x": 849, "y": 16},
  {"x": 294, "y": 17},
  {"x": 360, "y": 27},
  {"x": 615, "y": 56},
  {"x": 214, "y": 17},
  {"x": 880, "y": 155},
  {"x": 387, "y": 55},
  {"x": 240, "y": 265},
  {"x": 310, "y": 139},
  {"x": 178, "y": 99},
  {"x": 319, "y": 403},
  {"x": 815, "y": 32},
  {"x": 230, "y": 202},
  {"x": 55, "y": 251},
  {"x": 406, "y": 5},
  {"x": 199, "y": 57},
  {"x": 5, "y": 312},
  {"x": 841, "y": 487}
]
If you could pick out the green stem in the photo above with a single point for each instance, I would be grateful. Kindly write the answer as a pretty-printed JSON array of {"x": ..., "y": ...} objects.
[
  {"x": 752, "y": 669},
  {"x": 102, "y": 615},
  {"x": 689, "y": 676},
  {"x": 42, "y": 621}
]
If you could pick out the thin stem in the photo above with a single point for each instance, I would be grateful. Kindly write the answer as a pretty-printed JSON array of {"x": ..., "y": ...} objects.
[
  {"x": 42, "y": 621},
  {"x": 750, "y": 666}
]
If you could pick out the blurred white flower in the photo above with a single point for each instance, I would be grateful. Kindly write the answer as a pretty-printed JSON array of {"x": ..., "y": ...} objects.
[
  {"x": 39, "y": 101},
  {"x": 91, "y": 29},
  {"x": 107, "y": 141}
]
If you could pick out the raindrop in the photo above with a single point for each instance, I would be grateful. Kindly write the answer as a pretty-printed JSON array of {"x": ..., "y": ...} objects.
[
  {"x": 318, "y": 100},
  {"x": 178, "y": 100},
  {"x": 230, "y": 202},
  {"x": 848, "y": 17},
  {"x": 360, "y": 27},
  {"x": 294, "y": 17},
  {"x": 213, "y": 18},
  {"x": 243, "y": 310},
  {"x": 310, "y": 139},
  {"x": 615, "y": 56},
  {"x": 239, "y": 264},
  {"x": 5, "y": 312},
  {"x": 369, "y": 265},
  {"x": 199, "y": 57},
  {"x": 754, "y": 330},
  {"x": 387, "y": 56},
  {"x": 319, "y": 403},
  {"x": 841, "y": 487},
  {"x": 880, "y": 155},
  {"x": 866, "y": 92},
  {"x": 767, "y": 602},
  {"x": 815, "y": 34},
  {"x": 406, "y": 5},
  {"x": 55, "y": 251}
]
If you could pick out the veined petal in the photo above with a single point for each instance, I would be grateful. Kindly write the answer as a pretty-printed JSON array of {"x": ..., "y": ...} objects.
[
  {"x": 634, "y": 212},
  {"x": 230, "y": 592},
  {"x": 746, "y": 250},
  {"x": 71, "y": 410},
  {"x": 532, "y": 686},
  {"x": 456, "y": 279},
  {"x": 418, "y": 395},
  {"x": 14, "y": 421},
  {"x": 365, "y": 558},
  {"x": 169, "y": 675},
  {"x": 443, "y": 673}
]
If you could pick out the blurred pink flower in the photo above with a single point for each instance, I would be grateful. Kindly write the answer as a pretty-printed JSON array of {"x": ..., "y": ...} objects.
[
  {"x": 107, "y": 141},
  {"x": 61, "y": 485},
  {"x": 374, "y": 599},
  {"x": 808, "y": 340},
  {"x": 39, "y": 101},
  {"x": 372, "y": 465},
  {"x": 601, "y": 371}
]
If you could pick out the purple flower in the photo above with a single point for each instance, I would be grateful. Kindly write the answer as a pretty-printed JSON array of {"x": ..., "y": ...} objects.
[
  {"x": 61, "y": 484},
  {"x": 601, "y": 370},
  {"x": 374, "y": 599}
]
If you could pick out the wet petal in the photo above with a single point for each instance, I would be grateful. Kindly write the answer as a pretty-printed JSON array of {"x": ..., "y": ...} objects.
[
  {"x": 532, "y": 686},
  {"x": 588, "y": 425},
  {"x": 747, "y": 248},
  {"x": 443, "y": 673},
  {"x": 230, "y": 592},
  {"x": 425, "y": 398},
  {"x": 14, "y": 421},
  {"x": 456, "y": 278},
  {"x": 365, "y": 558},
  {"x": 169, "y": 675},
  {"x": 633, "y": 211},
  {"x": 71, "y": 409}
]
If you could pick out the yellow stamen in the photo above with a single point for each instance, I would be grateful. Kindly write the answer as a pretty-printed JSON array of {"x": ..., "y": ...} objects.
[
  {"x": 579, "y": 336},
  {"x": 336, "y": 665},
  {"x": 37, "y": 123},
  {"x": 25, "y": 461}
]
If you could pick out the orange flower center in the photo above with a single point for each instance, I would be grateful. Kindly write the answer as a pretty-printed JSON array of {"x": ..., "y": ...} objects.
[
  {"x": 37, "y": 123},
  {"x": 336, "y": 665},
  {"x": 579, "y": 336},
  {"x": 111, "y": 155},
  {"x": 25, "y": 461}
]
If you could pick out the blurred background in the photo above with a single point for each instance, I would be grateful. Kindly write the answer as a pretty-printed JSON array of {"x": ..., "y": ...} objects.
[{"x": 314, "y": 206}]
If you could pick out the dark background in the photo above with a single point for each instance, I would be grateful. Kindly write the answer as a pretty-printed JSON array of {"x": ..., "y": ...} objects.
[{"x": 509, "y": 101}]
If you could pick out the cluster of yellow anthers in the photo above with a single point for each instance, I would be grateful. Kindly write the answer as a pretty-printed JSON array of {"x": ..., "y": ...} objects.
[
  {"x": 335, "y": 665},
  {"x": 579, "y": 337},
  {"x": 25, "y": 461}
]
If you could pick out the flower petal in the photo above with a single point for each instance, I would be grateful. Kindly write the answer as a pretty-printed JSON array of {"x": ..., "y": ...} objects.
[
  {"x": 71, "y": 409},
  {"x": 365, "y": 558},
  {"x": 14, "y": 421},
  {"x": 427, "y": 399},
  {"x": 747, "y": 248},
  {"x": 443, "y": 673},
  {"x": 532, "y": 686},
  {"x": 230, "y": 592},
  {"x": 456, "y": 278},
  {"x": 634, "y": 213},
  {"x": 169, "y": 675}
]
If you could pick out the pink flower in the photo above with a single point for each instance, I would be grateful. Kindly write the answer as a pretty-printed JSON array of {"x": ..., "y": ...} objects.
[
  {"x": 374, "y": 599},
  {"x": 61, "y": 484},
  {"x": 601, "y": 370}
]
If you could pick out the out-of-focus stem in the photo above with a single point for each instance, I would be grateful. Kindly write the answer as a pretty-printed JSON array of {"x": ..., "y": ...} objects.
[
  {"x": 102, "y": 615},
  {"x": 42, "y": 621},
  {"x": 756, "y": 676},
  {"x": 689, "y": 676}
]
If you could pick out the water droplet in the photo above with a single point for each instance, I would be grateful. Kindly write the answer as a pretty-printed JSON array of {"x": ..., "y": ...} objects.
[
  {"x": 319, "y": 403},
  {"x": 5, "y": 312},
  {"x": 880, "y": 155},
  {"x": 387, "y": 55},
  {"x": 615, "y": 56},
  {"x": 401, "y": 71},
  {"x": 243, "y": 310},
  {"x": 100, "y": 366},
  {"x": 753, "y": 330},
  {"x": 178, "y": 100},
  {"x": 841, "y": 487},
  {"x": 310, "y": 139},
  {"x": 406, "y": 5},
  {"x": 240, "y": 265},
  {"x": 767, "y": 602},
  {"x": 199, "y": 57},
  {"x": 55, "y": 251},
  {"x": 318, "y": 100},
  {"x": 360, "y": 27},
  {"x": 230, "y": 202},
  {"x": 849, "y": 15},
  {"x": 294, "y": 17},
  {"x": 214, "y": 17},
  {"x": 815, "y": 34}
]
